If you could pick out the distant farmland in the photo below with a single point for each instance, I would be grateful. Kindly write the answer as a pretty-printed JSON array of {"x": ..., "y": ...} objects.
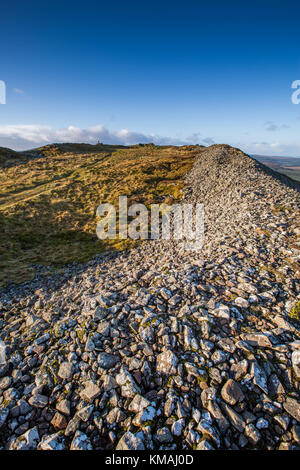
[{"x": 289, "y": 166}]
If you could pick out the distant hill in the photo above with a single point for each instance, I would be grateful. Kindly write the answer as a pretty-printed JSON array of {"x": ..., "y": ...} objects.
[
  {"x": 289, "y": 166},
  {"x": 9, "y": 156}
]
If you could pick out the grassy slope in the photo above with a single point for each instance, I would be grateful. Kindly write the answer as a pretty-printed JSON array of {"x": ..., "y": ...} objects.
[{"x": 48, "y": 203}]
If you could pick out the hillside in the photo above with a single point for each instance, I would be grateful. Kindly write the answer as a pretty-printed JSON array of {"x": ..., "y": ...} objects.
[
  {"x": 159, "y": 347},
  {"x": 289, "y": 166},
  {"x": 10, "y": 157},
  {"x": 49, "y": 196}
]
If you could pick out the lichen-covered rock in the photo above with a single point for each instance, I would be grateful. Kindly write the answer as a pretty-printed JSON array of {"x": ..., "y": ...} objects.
[
  {"x": 91, "y": 391},
  {"x": 52, "y": 442},
  {"x": 166, "y": 362},
  {"x": 296, "y": 363},
  {"x": 130, "y": 441},
  {"x": 27, "y": 441},
  {"x": 81, "y": 442},
  {"x": 66, "y": 370},
  {"x": 128, "y": 386}
]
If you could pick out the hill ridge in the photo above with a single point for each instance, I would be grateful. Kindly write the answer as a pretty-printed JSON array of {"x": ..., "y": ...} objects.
[{"x": 168, "y": 348}]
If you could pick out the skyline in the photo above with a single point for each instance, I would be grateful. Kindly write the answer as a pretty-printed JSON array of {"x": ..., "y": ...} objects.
[{"x": 126, "y": 73}]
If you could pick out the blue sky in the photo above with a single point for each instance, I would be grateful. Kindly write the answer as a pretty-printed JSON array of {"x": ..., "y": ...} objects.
[{"x": 162, "y": 71}]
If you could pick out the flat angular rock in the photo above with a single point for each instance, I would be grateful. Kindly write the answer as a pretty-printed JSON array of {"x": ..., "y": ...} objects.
[
  {"x": 81, "y": 442},
  {"x": 116, "y": 415},
  {"x": 240, "y": 369},
  {"x": 73, "y": 425},
  {"x": 177, "y": 427},
  {"x": 207, "y": 395},
  {"x": 38, "y": 401},
  {"x": 107, "y": 361},
  {"x": 260, "y": 340},
  {"x": 52, "y": 442},
  {"x": 91, "y": 391},
  {"x": 242, "y": 303},
  {"x": 85, "y": 413},
  {"x": 147, "y": 415},
  {"x": 59, "y": 421},
  {"x": 63, "y": 406},
  {"x": 262, "y": 423},
  {"x": 66, "y": 370},
  {"x": 3, "y": 353},
  {"x": 296, "y": 363},
  {"x": 130, "y": 441},
  {"x": 164, "y": 436},
  {"x": 275, "y": 387},
  {"x": 259, "y": 377},
  {"x": 237, "y": 421},
  {"x": 166, "y": 363},
  {"x": 4, "y": 412},
  {"x": 296, "y": 433},
  {"x": 204, "y": 445},
  {"x": 27, "y": 441},
  {"x": 128, "y": 386},
  {"x": 252, "y": 434},
  {"x": 207, "y": 429},
  {"x": 138, "y": 404},
  {"x": 232, "y": 393},
  {"x": 292, "y": 407},
  {"x": 222, "y": 311}
]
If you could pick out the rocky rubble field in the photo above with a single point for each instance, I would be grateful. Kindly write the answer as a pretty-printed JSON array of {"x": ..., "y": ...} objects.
[{"x": 164, "y": 348}]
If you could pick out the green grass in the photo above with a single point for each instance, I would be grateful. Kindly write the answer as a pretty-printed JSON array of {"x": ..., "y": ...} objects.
[
  {"x": 48, "y": 203},
  {"x": 295, "y": 312}
]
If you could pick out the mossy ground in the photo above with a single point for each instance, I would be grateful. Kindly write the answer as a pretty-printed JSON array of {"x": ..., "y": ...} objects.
[
  {"x": 295, "y": 312},
  {"x": 48, "y": 203}
]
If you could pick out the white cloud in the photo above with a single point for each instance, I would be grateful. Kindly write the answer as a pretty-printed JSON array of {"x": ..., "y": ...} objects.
[
  {"x": 18, "y": 91},
  {"x": 20, "y": 137},
  {"x": 272, "y": 126},
  {"x": 23, "y": 137},
  {"x": 272, "y": 148},
  {"x": 209, "y": 141},
  {"x": 194, "y": 138}
]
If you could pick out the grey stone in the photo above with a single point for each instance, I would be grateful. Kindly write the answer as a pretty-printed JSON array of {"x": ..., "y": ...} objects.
[
  {"x": 232, "y": 393},
  {"x": 166, "y": 363},
  {"x": 128, "y": 386},
  {"x": 81, "y": 442},
  {"x": 130, "y": 441},
  {"x": 38, "y": 401},
  {"x": 66, "y": 370},
  {"x": 91, "y": 391},
  {"x": 292, "y": 407},
  {"x": 163, "y": 436},
  {"x": 52, "y": 442},
  {"x": 107, "y": 361}
]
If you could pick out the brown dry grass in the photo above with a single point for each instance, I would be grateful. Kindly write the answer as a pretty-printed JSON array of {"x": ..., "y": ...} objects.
[{"x": 48, "y": 204}]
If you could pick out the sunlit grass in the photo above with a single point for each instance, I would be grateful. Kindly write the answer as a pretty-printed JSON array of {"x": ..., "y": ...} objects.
[{"x": 48, "y": 204}]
